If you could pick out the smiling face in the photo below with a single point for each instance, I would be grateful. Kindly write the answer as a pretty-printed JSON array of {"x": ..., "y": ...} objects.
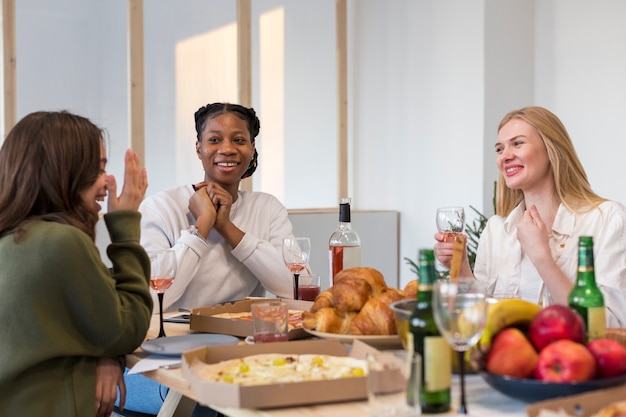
[
  {"x": 522, "y": 157},
  {"x": 225, "y": 150},
  {"x": 98, "y": 190}
]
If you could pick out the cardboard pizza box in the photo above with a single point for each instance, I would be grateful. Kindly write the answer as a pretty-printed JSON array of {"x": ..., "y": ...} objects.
[
  {"x": 201, "y": 320},
  {"x": 581, "y": 405},
  {"x": 274, "y": 395}
]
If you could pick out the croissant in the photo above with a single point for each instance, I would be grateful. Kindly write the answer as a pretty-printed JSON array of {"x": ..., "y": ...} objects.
[
  {"x": 376, "y": 318},
  {"x": 373, "y": 277},
  {"x": 328, "y": 320},
  {"x": 350, "y": 294},
  {"x": 324, "y": 299},
  {"x": 410, "y": 290}
]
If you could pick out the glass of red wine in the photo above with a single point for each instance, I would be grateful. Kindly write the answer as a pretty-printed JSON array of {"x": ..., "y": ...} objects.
[
  {"x": 296, "y": 251},
  {"x": 162, "y": 274}
]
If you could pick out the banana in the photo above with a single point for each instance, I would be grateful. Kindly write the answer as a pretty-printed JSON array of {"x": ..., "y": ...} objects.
[{"x": 506, "y": 313}]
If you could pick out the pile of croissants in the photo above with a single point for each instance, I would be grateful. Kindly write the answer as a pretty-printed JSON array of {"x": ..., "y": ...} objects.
[{"x": 357, "y": 304}]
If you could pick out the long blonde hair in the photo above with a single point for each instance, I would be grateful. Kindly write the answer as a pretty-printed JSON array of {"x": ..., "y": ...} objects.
[{"x": 570, "y": 180}]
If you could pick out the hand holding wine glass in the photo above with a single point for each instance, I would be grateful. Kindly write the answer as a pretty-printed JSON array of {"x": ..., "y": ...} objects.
[
  {"x": 162, "y": 274},
  {"x": 460, "y": 310},
  {"x": 450, "y": 221},
  {"x": 296, "y": 251}
]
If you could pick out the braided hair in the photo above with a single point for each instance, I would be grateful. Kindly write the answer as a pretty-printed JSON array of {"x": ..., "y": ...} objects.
[{"x": 212, "y": 110}]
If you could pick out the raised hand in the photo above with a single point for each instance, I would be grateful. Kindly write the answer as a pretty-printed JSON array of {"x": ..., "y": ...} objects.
[{"x": 134, "y": 188}]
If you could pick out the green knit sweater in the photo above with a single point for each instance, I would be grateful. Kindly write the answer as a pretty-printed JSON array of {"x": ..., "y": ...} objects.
[{"x": 61, "y": 310}]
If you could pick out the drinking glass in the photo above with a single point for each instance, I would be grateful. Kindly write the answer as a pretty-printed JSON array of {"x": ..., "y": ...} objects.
[
  {"x": 296, "y": 251},
  {"x": 393, "y": 383},
  {"x": 162, "y": 274},
  {"x": 450, "y": 221},
  {"x": 460, "y": 310}
]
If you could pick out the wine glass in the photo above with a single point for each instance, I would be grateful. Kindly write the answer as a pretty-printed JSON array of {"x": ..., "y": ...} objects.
[
  {"x": 296, "y": 251},
  {"x": 460, "y": 310},
  {"x": 162, "y": 274},
  {"x": 450, "y": 221}
]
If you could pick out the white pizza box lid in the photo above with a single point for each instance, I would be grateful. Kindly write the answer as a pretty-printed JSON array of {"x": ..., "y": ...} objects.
[
  {"x": 580, "y": 405},
  {"x": 201, "y": 320},
  {"x": 274, "y": 395}
]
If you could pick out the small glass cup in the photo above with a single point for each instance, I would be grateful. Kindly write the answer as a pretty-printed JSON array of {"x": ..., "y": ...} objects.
[
  {"x": 308, "y": 287},
  {"x": 393, "y": 383},
  {"x": 270, "y": 321}
]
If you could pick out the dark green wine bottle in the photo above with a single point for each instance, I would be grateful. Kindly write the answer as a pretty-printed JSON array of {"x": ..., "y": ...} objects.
[
  {"x": 586, "y": 298},
  {"x": 425, "y": 338}
]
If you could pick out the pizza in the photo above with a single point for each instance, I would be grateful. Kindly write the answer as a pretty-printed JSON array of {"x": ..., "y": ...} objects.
[
  {"x": 613, "y": 410},
  {"x": 275, "y": 368},
  {"x": 295, "y": 317}
]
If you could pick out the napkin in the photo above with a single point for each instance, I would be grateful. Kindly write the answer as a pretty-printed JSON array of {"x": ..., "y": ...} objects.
[{"x": 153, "y": 362}]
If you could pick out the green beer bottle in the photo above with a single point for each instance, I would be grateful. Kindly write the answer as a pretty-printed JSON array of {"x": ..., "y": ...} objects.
[
  {"x": 586, "y": 298},
  {"x": 424, "y": 338}
]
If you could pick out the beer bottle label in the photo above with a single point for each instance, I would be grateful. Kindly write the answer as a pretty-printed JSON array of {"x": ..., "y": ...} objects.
[
  {"x": 596, "y": 322},
  {"x": 437, "y": 365}
]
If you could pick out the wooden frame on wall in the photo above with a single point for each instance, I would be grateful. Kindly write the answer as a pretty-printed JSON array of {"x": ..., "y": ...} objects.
[{"x": 9, "y": 83}]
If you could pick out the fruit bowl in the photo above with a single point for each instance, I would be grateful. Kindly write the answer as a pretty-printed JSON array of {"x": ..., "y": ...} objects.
[
  {"x": 402, "y": 311},
  {"x": 533, "y": 390}
]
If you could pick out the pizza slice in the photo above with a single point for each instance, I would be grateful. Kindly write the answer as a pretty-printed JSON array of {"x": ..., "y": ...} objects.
[{"x": 283, "y": 368}]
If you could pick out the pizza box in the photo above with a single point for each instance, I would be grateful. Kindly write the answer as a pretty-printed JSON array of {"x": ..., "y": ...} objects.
[
  {"x": 219, "y": 394},
  {"x": 581, "y": 405},
  {"x": 201, "y": 320}
]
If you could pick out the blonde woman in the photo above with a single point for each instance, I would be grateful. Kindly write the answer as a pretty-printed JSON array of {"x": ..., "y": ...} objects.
[{"x": 544, "y": 203}]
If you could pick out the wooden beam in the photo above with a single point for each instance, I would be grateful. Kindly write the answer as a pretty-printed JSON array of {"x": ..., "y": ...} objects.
[
  {"x": 8, "y": 36},
  {"x": 137, "y": 89},
  {"x": 244, "y": 51},
  {"x": 244, "y": 62},
  {"x": 342, "y": 97}
]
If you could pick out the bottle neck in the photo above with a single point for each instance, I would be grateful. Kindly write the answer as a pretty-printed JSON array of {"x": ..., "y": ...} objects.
[
  {"x": 586, "y": 275},
  {"x": 426, "y": 282}
]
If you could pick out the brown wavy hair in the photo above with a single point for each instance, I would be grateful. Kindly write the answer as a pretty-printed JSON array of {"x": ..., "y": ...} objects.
[
  {"x": 47, "y": 159},
  {"x": 570, "y": 180}
]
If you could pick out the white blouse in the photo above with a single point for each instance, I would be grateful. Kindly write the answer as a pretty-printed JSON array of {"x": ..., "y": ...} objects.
[{"x": 501, "y": 263}]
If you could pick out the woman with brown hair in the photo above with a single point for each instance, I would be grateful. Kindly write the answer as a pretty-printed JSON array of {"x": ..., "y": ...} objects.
[
  {"x": 67, "y": 319},
  {"x": 544, "y": 203}
]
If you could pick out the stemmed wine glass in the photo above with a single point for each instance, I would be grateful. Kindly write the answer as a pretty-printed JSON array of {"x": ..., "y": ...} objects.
[
  {"x": 460, "y": 310},
  {"x": 450, "y": 221},
  {"x": 296, "y": 251},
  {"x": 162, "y": 274}
]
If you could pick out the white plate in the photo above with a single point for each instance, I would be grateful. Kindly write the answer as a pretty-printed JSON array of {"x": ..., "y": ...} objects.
[
  {"x": 387, "y": 342},
  {"x": 176, "y": 345}
]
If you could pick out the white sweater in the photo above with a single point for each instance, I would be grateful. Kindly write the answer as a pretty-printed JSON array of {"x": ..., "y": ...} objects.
[{"x": 213, "y": 273}]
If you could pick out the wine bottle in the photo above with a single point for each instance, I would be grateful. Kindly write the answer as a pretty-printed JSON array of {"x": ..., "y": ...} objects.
[
  {"x": 586, "y": 298},
  {"x": 344, "y": 244},
  {"x": 425, "y": 338}
]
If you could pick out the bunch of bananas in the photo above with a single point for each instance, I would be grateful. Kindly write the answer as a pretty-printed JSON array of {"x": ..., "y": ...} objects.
[{"x": 502, "y": 314}]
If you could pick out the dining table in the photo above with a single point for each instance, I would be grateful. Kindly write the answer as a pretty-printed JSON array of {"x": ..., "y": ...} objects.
[{"x": 482, "y": 400}]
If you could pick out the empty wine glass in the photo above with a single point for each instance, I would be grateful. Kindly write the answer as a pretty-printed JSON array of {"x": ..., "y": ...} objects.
[
  {"x": 460, "y": 310},
  {"x": 162, "y": 274},
  {"x": 450, "y": 221},
  {"x": 296, "y": 251}
]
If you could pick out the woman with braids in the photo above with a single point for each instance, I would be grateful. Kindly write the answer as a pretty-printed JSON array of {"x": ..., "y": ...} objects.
[
  {"x": 227, "y": 241},
  {"x": 543, "y": 204},
  {"x": 67, "y": 322}
]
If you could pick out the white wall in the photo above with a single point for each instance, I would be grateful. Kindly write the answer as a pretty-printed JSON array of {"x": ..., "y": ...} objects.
[{"x": 428, "y": 83}]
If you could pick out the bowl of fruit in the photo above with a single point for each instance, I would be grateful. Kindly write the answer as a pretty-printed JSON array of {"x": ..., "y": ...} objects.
[
  {"x": 402, "y": 312},
  {"x": 534, "y": 354}
]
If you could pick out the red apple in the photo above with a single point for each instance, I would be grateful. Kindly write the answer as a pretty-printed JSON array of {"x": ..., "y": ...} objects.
[
  {"x": 511, "y": 354},
  {"x": 565, "y": 361},
  {"x": 556, "y": 322},
  {"x": 610, "y": 357}
]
